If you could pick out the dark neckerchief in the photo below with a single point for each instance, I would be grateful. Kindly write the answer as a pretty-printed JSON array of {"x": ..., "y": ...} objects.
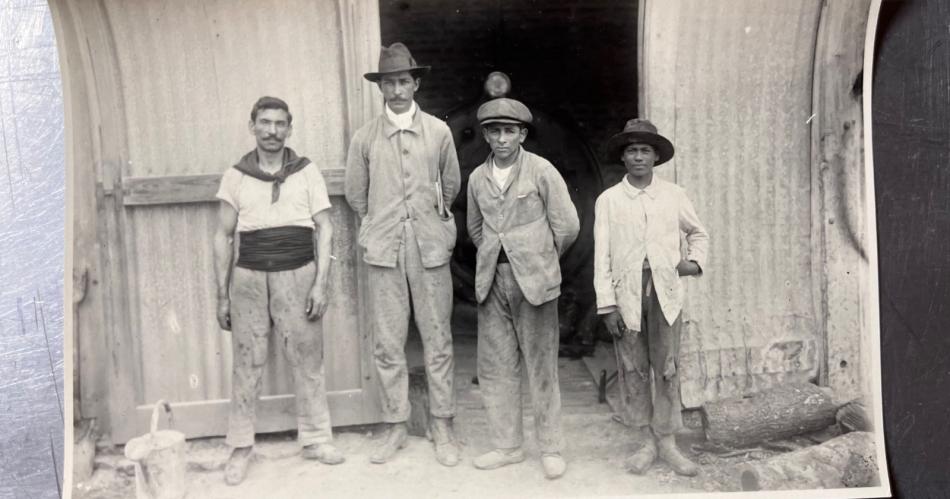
[{"x": 292, "y": 163}]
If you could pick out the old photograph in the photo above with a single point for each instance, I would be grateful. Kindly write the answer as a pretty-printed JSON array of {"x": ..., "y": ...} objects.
[{"x": 422, "y": 248}]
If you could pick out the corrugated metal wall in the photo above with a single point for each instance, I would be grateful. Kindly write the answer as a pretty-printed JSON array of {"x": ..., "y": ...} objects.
[{"x": 730, "y": 83}]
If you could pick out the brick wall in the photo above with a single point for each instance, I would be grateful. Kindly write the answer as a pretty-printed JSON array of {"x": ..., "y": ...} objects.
[{"x": 576, "y": 59}]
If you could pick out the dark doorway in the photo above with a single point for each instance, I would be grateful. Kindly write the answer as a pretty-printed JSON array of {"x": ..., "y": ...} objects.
[{"x": 573, "y": 62}]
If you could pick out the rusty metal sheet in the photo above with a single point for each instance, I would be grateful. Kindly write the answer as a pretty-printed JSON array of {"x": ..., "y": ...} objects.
[{"x": 733, "y": 90}]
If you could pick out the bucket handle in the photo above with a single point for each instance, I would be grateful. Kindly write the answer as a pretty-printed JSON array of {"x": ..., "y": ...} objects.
[{"x": 168, "y": 410}]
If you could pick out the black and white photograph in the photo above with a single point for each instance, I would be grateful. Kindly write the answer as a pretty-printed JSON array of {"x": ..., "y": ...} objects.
[{"x": 479, "y": 248}]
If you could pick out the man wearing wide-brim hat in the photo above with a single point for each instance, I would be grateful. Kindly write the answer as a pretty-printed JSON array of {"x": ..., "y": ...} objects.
[
  {"x": 638, "y": 273},
  {"x": 521, "y": 219},
  {"x": 402, "y": 175}
]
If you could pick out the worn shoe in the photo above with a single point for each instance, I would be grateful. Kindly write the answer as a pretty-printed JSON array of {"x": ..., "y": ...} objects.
[
  {"x": 235, "y": 471},
  {"x": 670, "y": 453},
  {"x": 395, "y": 439},
  {"x": 498, "y": 458},
  {"x": 641, "y": 460},
  {"x": 325, "y": 453},
  {"x": 446, "y": 448},
  {"x": 553, "y": 465}
]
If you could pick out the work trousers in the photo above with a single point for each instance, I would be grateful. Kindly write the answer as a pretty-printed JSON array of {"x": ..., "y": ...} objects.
[
  {"x": 655, "y": 347},
  {"x": 513, "y": 333},
  {"x": 430, "y": 292},
  {"x": 258, "y": 300}
]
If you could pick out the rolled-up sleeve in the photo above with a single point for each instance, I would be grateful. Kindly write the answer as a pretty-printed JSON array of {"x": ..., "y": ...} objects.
[
  {"x": 356, "y": 179},
  {"x": 697, "y": 239},
  {"x": 603, "y": 281}
]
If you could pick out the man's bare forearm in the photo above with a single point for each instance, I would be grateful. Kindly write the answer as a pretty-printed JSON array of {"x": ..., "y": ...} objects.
[
  {"x": 223, "y": 258},
  {"x": 323, "y": 242}
]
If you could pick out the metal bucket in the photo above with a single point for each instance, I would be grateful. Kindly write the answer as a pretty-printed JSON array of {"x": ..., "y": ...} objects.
[{"x": 159, "y": 458}]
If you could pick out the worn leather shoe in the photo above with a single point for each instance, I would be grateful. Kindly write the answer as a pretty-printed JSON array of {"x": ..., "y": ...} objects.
[
  {"x": 641, "y": 460},
  {"x": 446, "y": 448},
  {"x": 498, "y": 458},
  {"x": 553, "y": 466},
  {"x": 325, "y": 453},
  {"x": 670, "y": 453},
  {"x": 235, "y": 471},
  {"x": 395, "y": 439}
]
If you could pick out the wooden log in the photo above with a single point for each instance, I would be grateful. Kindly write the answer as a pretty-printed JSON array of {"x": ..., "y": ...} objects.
[
  {"x": 779, "y": 412},
  {"x": 845, "y": 461},
  {"x": 853, "y": 416},
  {"x": 418, "y": 402}
]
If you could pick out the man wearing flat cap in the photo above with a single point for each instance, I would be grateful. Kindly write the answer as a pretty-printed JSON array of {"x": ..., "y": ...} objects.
[
  {"x": 637, "y": 277},
  {"x": 402, "y": 175},
  {"x": 521, "y": 219}
]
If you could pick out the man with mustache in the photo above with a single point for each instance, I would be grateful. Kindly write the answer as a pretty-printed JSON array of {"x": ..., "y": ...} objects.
[
  {"x": 274, "y": 199},
  {"x": 402, "y": 175},
  {"x": 521, "y": 218},
  {"x": 637, "y": 270}
]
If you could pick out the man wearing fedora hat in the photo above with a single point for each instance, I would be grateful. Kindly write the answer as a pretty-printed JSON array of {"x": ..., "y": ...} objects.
[
  {"x": 402, "y": 175},
  {"x": 521, "y": 219},
  {"x": 637, "y": 271}
]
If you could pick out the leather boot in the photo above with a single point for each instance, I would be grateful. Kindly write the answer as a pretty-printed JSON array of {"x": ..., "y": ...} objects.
[
  {"x": 325, "y": 453},
  {"x": 641, "y": 460},
  {"x": 235, "y": 471},
  {"x": 553, "y": 465},
  {"x": 393, "y": 440},
  {"x": 498, "y": 458},
  {"x": 443, "y": 436},
  {"x": 670, "y": 453}
]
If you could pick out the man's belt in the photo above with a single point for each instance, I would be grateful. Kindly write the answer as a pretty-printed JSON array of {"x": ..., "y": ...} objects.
[{"x": 276, "y": 248}]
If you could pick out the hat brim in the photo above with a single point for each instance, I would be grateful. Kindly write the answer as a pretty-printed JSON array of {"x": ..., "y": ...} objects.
[
  {"x": 617, "y": 143},
  {"x": 416, "y": 71},
  {"x": 509, "y": 121}
]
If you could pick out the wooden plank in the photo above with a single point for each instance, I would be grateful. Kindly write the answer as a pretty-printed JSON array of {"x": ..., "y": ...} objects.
[
  {"x": 274, "y": 413},
  {"x": 181, "y": 189},
  {"x": 838, "y": 178},
  {"x": 360, "y": 42}
]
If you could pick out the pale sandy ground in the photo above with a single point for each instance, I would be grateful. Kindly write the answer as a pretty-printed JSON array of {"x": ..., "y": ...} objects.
[
  {"x": 595, "y": 456},
  {"x": 595, "y": 449}
]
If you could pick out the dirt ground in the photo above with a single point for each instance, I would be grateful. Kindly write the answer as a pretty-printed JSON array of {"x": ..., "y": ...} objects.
[{"x": 596, "y": 448}]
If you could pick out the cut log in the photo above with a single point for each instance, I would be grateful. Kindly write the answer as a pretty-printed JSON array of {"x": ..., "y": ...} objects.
[
  {"x": 853, "y": 416},
  {"x": 845, "y": 461},
  {"x": 418, "y": 402},
  {"x": 779, "y": 412}
]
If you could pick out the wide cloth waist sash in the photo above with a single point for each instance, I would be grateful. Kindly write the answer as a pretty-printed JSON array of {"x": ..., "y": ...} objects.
[{"x": 276, "y": 248}]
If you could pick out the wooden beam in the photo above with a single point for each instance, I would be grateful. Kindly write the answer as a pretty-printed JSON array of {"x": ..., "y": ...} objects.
[
  {"x": 182, "y": 189},
  {"x": 274, "y": 413}
]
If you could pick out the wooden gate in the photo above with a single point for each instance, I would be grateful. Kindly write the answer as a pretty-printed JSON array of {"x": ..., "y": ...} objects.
[{"x": 158, "y": 96}]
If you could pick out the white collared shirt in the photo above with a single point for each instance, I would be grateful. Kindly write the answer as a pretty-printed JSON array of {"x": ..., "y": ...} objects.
[
  {"x": 402, "y": 121},
  {"x": 634, "y": 225}
]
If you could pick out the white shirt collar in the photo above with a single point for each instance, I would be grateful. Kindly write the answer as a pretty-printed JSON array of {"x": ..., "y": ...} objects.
[{"x": 402, "y": 121}]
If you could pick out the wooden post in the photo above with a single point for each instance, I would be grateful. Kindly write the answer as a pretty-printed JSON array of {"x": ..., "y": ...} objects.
[{"x": 840, "y": 267}]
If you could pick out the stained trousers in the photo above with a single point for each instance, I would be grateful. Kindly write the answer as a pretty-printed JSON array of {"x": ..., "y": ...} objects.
[
  {"x": 656, "y": 347},
  {"x": 512, "y": 332},
  {"x": 430, "y": 292},
  {"x": 262, "y": 303}
]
